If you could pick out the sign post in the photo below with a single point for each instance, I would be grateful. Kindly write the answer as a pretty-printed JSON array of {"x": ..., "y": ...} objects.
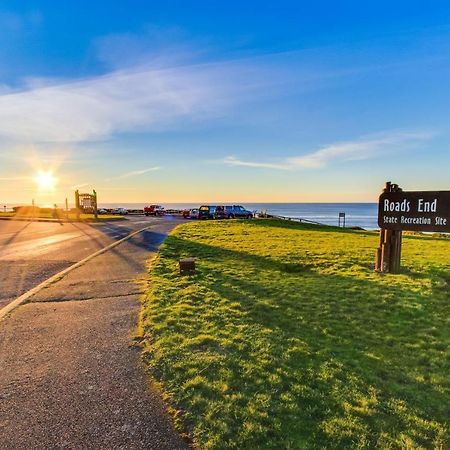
[
  {"x": 341, "y": 216},
  {"x": 94, "y": 198},
  {"x": 414, "y": 211},
  {"x": 86, "y": 203}
]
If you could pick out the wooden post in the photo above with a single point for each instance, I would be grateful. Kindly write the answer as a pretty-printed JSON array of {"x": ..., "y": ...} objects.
[
  {"x": 95, "y": 204},
  {"x": 187, "y": 265},
  {"x": 388, "y": 253},
  {"x": 396, "y": 251},
  {"x": 77, "y": 204}
]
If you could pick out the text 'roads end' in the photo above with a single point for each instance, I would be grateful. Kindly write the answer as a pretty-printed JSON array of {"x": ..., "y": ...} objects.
[{"x": 415, "y": 211}]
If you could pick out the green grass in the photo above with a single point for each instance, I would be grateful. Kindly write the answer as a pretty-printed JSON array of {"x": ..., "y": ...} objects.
[{"x": 285, "y": 338}]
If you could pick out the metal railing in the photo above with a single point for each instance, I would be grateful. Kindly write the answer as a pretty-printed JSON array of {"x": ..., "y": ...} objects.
[{"x": 296, "y": 219}]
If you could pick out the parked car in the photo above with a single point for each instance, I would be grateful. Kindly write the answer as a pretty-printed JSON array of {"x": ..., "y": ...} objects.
[
  {"x": 154, "y": 210},
  {"x": 238, "y": 212},
  {"x": 194, "y": 213},
  {"x": 190, "y": 213},
  {"x": 102, "y": 211},
  {"x": 220, "y": 213},
  {"x": 206, "y": 212},
  {"x": 120, "y": 211}
]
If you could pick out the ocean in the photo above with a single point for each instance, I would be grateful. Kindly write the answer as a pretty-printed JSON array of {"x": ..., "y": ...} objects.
[{"x": 362, "y": 215}]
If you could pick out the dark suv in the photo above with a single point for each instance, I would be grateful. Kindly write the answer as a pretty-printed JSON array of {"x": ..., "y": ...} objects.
[
  {"x": 206, "y": 212},
  {"x": 238, "y": 211}
]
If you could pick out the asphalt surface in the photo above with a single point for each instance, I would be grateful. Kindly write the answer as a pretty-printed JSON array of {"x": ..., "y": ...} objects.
[
  {"x": 70, "y": 374},
  {"x": 30, "y": 252}
]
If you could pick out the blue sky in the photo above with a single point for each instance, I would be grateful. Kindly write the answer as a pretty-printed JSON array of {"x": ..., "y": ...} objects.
[{"x": 208, "y": 101}]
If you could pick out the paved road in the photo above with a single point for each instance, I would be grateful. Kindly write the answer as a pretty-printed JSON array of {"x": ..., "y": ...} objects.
[
  {"x": 30, "y": 252},
  {"x": 70, "y": 375}
]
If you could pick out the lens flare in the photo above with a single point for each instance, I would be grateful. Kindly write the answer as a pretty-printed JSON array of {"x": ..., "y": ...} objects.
[{"x": 45, "y": 180}]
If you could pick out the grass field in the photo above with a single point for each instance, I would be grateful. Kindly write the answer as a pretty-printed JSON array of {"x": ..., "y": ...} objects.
[{"x": 285, "y": 338}]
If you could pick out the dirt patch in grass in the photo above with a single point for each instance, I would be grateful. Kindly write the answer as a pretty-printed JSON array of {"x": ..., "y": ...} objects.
[{"x": 285, "y": 338}]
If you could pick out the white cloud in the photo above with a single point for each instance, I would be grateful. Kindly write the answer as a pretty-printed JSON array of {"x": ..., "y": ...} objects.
[
  {"x": 163, "y": 92},
  {"x": 139, "y": 172},
  {"x": 233, "y": 161},
  {"x": 361, "y": 149},
  {"x": 134, "y": 173},
  {"x": 98, "y": 107}
]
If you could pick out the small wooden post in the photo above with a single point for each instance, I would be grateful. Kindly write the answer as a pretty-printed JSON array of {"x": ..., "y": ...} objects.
[
  {"x": 187, "y": 265},
  {"x": 388, "y": 253}
]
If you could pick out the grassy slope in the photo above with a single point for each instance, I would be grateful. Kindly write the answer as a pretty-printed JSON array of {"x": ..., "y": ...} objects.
[{"x": 286, "y": 338}]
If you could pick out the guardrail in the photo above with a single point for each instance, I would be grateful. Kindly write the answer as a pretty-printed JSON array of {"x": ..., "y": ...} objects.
[{"x": 296, "y": 219}]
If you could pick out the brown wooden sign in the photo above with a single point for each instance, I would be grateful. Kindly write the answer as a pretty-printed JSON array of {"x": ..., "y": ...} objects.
[{"x": 415, "y": 211}]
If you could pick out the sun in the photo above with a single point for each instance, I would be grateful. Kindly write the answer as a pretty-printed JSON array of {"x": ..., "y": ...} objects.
[{"x": 45, "y": 180}]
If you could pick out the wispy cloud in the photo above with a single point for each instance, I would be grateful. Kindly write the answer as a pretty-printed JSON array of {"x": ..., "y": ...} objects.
[
  {"x": 151, "y": 95},
  {"x": 140, "y": 98},
  {"x": 78, "y": 186},
  {"x": 360, "y": 149},
  {"x": 101, "y": 106},
  {"x": 135, "y": 173},
  {"x": 233, "y": 161}
]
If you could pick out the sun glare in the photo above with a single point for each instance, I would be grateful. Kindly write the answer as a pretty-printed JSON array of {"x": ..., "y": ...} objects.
[{"x": 45, "y": 180}]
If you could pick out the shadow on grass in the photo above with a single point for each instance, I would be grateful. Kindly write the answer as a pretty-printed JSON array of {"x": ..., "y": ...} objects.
[{"x": 335, "y": 342}]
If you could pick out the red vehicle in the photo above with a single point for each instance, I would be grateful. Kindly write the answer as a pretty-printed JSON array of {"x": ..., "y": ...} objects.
[{"x": 154, "y": 210}]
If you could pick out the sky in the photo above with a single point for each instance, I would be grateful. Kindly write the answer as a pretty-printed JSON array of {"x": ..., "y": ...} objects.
[{"x": 204, "y": 101}]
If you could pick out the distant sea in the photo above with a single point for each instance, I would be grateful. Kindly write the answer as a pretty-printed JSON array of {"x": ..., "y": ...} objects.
[{"x": 362, "y": 215}]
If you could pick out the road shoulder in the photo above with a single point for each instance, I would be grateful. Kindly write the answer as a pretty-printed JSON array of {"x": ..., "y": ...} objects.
[{"x": 71, "y": 376}]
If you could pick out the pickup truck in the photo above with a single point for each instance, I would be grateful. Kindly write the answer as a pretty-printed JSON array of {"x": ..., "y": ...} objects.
[{"x": 154, "y": 210}]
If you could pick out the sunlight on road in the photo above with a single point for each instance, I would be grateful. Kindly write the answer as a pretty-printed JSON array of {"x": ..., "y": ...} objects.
[{"x": 36, "y": 247}]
